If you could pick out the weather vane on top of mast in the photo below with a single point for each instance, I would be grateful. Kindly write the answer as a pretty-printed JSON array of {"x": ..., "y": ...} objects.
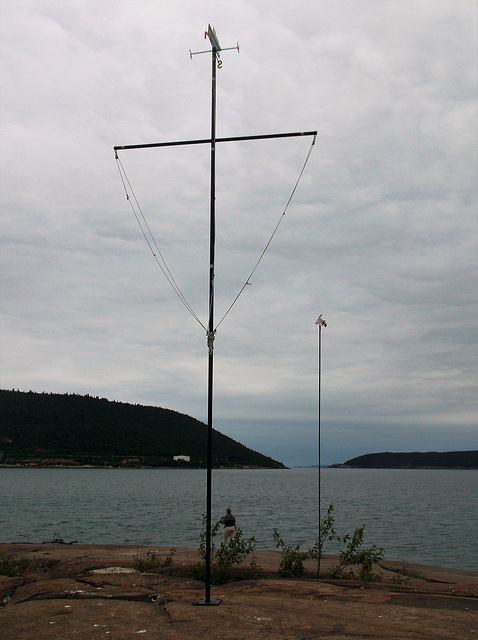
[{"x": 216, "y": 47}]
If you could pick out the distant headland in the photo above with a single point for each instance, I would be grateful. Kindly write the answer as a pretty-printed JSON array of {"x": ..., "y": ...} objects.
[
  {"x": 70, "y": 430},
  {"x": 414, "y": 460}
]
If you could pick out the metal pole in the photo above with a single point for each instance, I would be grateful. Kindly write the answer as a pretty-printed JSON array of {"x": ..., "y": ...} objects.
[
  {"x": 210, "y": 330},
  {"x": 320, "y": 322},
  {"x": 212, "y": 244},
  {"x": 319, "y": 391},
  {"x": 210, "y": 340}
]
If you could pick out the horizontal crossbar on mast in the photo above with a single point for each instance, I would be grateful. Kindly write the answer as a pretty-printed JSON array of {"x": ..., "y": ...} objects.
[{"x": 208, "y": 140}]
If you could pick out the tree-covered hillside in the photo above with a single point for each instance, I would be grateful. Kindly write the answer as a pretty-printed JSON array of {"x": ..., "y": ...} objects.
[
  {"x": 415, "y": 460},
  {"x": 48, "y": 429}
]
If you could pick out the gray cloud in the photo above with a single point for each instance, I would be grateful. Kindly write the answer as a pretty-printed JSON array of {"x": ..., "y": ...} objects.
[{"x": 381, "y": 236}]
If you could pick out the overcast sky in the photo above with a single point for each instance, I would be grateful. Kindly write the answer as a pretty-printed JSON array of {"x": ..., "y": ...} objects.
[{"x": 381, "y": 235}]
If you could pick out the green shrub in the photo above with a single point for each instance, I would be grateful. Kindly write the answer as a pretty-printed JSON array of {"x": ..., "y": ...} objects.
[
  {"x": 12, "y": 566},
  {"x": 326, "y": 534},
  {"x": 292, "y": 559},
  {"x": 411, "y": 574},
  {"x": 145, "y": 561},
  {"x": 353, "y": 555},
  {"x": 225, "y": 557}
]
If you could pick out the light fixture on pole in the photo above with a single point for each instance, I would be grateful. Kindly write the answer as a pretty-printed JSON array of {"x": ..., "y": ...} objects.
[{"x": 320, "y": 322}]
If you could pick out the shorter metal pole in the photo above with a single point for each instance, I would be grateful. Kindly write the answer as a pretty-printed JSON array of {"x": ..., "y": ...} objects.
[{"x": 320, "y": 322}]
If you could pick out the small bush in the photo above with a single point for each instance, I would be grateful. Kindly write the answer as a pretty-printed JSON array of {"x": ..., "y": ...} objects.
[
  {"x": 225, "y": 557},
  {"x": 411, "y": 574},
  {"x": 353, "y": 555},
  {"x": 326, "y": 534},
  {"x": 254, "y": 571},
  {"x": 150, "y": 560},
  {"x": 12, "y": 566},
  {"x": 292, "y": 560}
]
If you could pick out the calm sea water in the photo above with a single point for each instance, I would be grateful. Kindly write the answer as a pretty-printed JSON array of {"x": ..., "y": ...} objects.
[{"x": 423, "y": 516}]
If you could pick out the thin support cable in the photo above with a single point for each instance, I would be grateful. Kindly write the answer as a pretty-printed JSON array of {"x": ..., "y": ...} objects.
[
  {"x": 150, "y": 241},
  {"x": 162, "y": 263},
  {"x": 247, "y": 282}
]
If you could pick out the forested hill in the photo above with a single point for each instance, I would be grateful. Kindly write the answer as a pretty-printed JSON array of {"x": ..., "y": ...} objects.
[
  {"x": 415, "y": 460},
  {"x": 54, "y": 429}
]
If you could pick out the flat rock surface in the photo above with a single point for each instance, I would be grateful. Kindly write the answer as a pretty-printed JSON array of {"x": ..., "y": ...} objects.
[{"x": 90, "y": 591}]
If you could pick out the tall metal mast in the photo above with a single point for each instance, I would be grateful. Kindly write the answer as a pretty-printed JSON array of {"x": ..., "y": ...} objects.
[
  {"x": 210, "y": 329},
  {"x": 211, "y": 332}
]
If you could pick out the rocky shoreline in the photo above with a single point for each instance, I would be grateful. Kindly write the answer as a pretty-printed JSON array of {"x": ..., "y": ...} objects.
[{"x": 77, "y": 590}]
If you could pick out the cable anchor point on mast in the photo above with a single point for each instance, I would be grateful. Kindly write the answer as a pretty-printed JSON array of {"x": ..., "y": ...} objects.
[{"x": 210, "y": 340}]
